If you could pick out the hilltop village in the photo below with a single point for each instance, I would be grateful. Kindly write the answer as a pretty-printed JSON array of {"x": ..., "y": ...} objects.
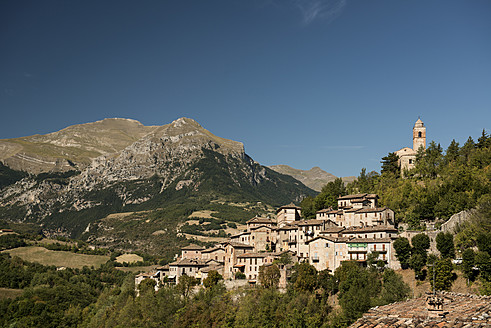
[{"x": 357, "y": 228}]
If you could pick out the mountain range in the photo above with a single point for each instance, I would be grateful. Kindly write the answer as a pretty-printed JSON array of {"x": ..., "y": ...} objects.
[
  {"x": 315, "y": 178},
  {"x": 71, "y": 180}
]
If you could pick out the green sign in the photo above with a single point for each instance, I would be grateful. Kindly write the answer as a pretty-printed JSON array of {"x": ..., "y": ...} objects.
[{"x": 358, "y": 245}]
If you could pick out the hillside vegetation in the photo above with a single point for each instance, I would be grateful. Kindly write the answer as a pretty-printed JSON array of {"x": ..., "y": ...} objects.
[{"x": 441, "y": 184}]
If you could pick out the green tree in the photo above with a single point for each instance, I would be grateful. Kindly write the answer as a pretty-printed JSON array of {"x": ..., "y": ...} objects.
[
  {"x": 394, "y": 289},
  {"x": 421, "y": 243},
  {"x": 445, "y": 245},
  {"x": 417, "y": 262},
  {"x": 443, "y": 274},
  {"x": 358, "y": 289},
  {"x": 147, "y": 285},
  {"x": 269, "y": 276},
  {"x": 452, "y": 153},
  {"x": 186, "y": 283},
  {"x": 212, "y": 279},
  {"x": 429, "y": 163},
  {"x": 308, "y": 207},
  {"x": 483, "y": 262},
  {"x": 327, "y": 282},
  {"x": 468, "y": 261},
  {"x": 304, "y": 277},
  {"x": 403, "y": 251},
  {"x": 390, "y": 164},
  {"x": 484, "y": 140},
  {"x": 329, "y": 194}
]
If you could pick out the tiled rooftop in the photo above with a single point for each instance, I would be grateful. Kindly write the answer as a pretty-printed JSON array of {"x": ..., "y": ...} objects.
[{"x": 461, "y": 310}]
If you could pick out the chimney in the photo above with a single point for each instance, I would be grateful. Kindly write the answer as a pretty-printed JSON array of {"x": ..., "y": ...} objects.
[{"x": 434, "y": 305}]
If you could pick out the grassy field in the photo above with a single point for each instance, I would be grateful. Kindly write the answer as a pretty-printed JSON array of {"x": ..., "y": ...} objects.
[
  {"x": 9, "y": 293},
  {"x": 129, "y": 258},
  {"x": 58, "y": 258}
]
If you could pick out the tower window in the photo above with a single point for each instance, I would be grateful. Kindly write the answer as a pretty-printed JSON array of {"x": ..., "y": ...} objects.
[{"x": 419, "y": 134}]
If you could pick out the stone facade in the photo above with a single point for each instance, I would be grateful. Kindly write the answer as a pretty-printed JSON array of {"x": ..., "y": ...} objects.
[
  {"x": 354, "y": 231},
  {"x": 407, "y": 156}
]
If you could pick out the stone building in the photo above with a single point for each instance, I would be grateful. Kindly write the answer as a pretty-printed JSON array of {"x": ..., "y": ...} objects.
[{"x": 407, "y": 156}]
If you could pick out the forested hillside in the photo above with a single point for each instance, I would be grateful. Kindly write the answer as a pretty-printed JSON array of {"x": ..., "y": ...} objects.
[{"x": 443, "y": 182}]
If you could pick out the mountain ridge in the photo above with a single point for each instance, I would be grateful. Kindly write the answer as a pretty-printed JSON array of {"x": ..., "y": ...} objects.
[
  {"x": 178, "y": 164},
  {"x": 315, "y": 178}
]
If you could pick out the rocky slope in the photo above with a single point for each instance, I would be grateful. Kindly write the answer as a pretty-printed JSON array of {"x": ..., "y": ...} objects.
[
  {"x": 315, "y": 178},
  {"x": 178, "y": 163},
  {"x": 71, "y": 148}
]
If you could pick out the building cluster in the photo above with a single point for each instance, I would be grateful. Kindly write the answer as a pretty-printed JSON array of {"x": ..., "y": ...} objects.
[{"x": 357, "y": 228}]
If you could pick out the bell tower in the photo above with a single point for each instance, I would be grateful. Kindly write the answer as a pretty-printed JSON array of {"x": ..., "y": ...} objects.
[{"x": 419, "y": 135}]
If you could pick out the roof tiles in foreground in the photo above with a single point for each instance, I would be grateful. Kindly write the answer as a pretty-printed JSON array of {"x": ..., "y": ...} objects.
[{"x": 461, "y": 310}]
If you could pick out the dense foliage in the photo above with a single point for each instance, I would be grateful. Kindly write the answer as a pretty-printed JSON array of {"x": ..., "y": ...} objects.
[
  {"x": 51, "y": 297},
  {"x": 327, "y": 198},
  {"x": 440, "y": 185}
]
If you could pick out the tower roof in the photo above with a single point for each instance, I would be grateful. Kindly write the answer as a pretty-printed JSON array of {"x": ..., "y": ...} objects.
[{"x": 419, "y": 123}]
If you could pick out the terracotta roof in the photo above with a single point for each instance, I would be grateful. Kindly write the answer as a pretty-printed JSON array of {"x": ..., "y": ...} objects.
[
  {"x": 254, "y": 255},
  {"x": 210, "y": 268},
  {"x": 310, "y": 222},
  {"x": 288, "y": 227},
  {"x": 361, "y": 200},
  {"x": 461, "y": 311},
  {"x": 241, "y": 234},
  {"x": 262, "y": 226},
  {"x": 291, "y": 205},
  {"x": 188, "y": 262},
  {"x": 209, "y": 250},
  {"x": 238, "y": 245},
  {"x": 325, "y": 210},
  {"x": 355, "y": 196},
  {"x": 333, "y": 229},
  {"x": 372, "y": 210},
  {"x": 193, "y": 247},
  {"x": 261, "y": 220},
  {"x": 375, "y": 228},
  {"x": 370, "y": 240},
  {"x": 333, "y": 239}
]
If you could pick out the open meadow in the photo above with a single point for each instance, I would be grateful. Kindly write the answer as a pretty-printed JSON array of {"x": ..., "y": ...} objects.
[{"x": 58, "y": 258}]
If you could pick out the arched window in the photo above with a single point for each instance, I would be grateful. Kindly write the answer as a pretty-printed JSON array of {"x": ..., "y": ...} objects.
[{"x": 419, "y": 134}]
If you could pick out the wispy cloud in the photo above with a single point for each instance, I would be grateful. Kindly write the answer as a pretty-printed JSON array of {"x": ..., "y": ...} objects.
[{"x": 319, "y": 9}]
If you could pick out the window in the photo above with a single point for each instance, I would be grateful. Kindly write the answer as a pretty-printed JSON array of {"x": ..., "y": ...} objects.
[
  {"x": 419, "y": 134},
  {"x": 410, "y": 161}
]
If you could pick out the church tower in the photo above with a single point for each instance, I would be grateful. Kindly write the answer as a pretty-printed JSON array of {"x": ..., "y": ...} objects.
[{"x": 419, "y": 135}]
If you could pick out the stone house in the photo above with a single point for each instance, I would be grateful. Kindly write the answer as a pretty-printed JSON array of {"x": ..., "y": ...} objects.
[
  {"x": 263, "y": 238},
  {"x": 191, "y": 252},
  {"x": 232, "y": 250},
  {"x": 327, "y": 252},
  {"x": 288, "y": 214},
  {"x": 214, "y": 253}
]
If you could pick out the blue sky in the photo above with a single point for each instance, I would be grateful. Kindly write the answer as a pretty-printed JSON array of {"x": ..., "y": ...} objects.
[{"x": 331, "y": 83}]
